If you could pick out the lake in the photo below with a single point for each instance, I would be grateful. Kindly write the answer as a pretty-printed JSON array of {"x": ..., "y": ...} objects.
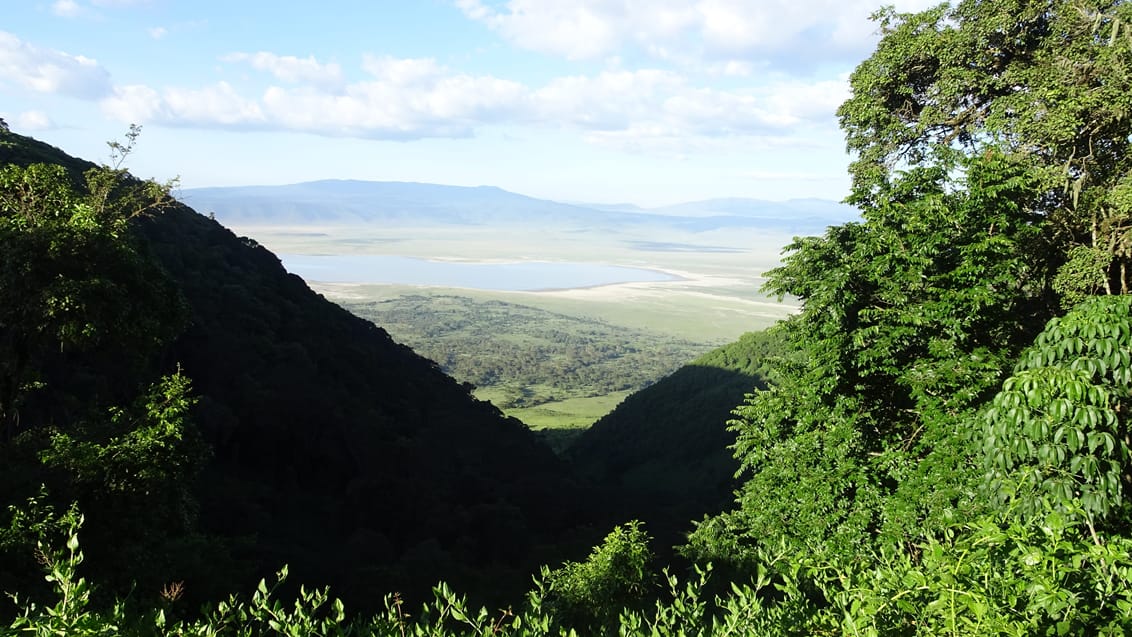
[{"x": 519, "y": 276}]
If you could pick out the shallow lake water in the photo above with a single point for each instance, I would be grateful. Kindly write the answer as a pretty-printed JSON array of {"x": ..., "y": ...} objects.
[{"x": 511, "y": 276}]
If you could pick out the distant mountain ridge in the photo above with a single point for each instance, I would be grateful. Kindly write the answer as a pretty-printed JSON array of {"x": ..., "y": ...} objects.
[{"x": 416, "y": 204}]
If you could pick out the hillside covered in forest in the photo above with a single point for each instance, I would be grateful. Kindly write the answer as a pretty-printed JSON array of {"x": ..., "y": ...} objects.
[
  {"x": 666, "y": 449},
  {"x": 309, "y": 437}
]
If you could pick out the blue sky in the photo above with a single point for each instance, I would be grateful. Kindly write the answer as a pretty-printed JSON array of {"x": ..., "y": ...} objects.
[{"x": 651, "y": 102}]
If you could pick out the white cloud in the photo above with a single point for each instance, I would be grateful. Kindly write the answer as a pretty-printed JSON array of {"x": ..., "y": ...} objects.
[
  {"x": 289, "y": 68},
  {"x": 134, "y": 104},
  {"x": 401, "y": 71},
  {"x": 571, "y": 29},
  {"x": 785, "y": 33},
  {"x": 609, "y": 101},
  {"x": 66, "y": 8},
  {"x": 50, "y": 71},
  {"x": 663, "y": 110},
  {"x": 33, "y": 121},
  {"x": 795, "y": 101},
  {"x": 403, "y": 102},
  {"x": 406, "y": 99},
  {"x": 157, "y": 32},
  {"x": 412, "y": 98},
  {"x": 218, "y": 105}
]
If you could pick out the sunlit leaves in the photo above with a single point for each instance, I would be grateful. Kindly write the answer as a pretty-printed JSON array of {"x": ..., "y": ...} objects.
[
  {"x": 1048, "y": 82},
  {"x": 909, "y": 322},
  {"x": 1056, "y": 434},
  {"x": 72, "y": 279}
]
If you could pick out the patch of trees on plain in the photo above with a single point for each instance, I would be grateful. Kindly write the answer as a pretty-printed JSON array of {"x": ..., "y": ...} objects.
[{"x": 532, "y": 356}]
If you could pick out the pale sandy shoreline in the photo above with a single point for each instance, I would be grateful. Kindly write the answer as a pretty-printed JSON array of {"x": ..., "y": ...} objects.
[{"x": 681, "y": 280}]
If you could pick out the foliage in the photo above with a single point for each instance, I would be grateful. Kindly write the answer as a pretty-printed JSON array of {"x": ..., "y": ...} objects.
[
  {"x": 85, "y": 313},
  {"x": 531, "y": 355},
  {"x": 1083, "y": 274},
  {"x": 616, "y": 576},
  {"x": 1048, "y": 81},
  {"x": 71, "y": 614},
  {"x": 74, "y": 287},
  {"x": 988, "y": 577},
  {"x": 907, "y": 325},
  {"x": 985, "y": 577},
  {"x": 1056, "y": 436},
  {"x": 992, "y": 142}
]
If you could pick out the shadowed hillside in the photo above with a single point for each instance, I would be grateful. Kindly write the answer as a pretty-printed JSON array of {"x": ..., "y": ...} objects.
[
  {"x": 668, "y": 446},
  {"x": 331, "y": 447},
  {"x": 334, "y": 440}
]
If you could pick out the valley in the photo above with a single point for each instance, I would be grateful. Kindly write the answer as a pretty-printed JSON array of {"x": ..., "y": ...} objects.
[{"x": 560, "y": 358}]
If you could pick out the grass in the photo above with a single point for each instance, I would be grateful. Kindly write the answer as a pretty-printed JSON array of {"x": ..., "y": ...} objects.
[{"x": 559, "y": 422}]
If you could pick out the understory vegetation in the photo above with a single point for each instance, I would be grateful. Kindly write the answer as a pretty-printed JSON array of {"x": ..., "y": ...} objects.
[{"x": 937, "y": 443}]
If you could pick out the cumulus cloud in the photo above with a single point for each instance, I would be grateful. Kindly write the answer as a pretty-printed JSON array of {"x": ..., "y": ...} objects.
[
  {"x": 413, "y": 98},
  {"x": 50, "y": 71},
  {"x": 401, "y": 71},
  {"x": 33, "y": 121},
  {"x": 403, "y": 99},
  {"x": 66, "y": 8},
  {"x": 782, "y": 32},
  {"x": 289, "y": 68},
  {"x": 404, "y": 108},
  {"x": 218, "y": 105},
  {"x": 609, "y": 101},
  {"x": 575, "y": 30}
]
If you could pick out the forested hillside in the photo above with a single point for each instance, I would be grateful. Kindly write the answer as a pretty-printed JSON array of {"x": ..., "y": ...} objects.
[
  {"x": 302, "y": 435},
  {"x": 943, "y": 446},
  {"x": 666, "y": 450}
]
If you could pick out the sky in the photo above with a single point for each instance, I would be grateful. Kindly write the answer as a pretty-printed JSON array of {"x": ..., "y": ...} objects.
[{"x": 651, "y": 102}]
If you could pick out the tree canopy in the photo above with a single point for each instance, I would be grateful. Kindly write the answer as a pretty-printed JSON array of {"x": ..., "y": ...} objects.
[
  {"x": 1046, "y": 82},
  {"x": 991, "y": 165}
]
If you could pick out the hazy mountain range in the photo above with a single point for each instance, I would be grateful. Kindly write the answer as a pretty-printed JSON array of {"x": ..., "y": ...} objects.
[{"x": 420, "y": 204}]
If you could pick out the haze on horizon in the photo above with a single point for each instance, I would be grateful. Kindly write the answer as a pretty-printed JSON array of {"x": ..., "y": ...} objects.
[{"x": 612, "y": 101}]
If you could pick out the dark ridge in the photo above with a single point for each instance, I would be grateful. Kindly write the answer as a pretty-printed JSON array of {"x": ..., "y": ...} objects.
[
  {"x": 666, "y": 448},
  {"x": 334, "y": 449}
]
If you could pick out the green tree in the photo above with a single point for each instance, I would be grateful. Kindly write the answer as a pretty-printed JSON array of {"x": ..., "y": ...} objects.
[
  {"x": 992, "y": 170},
  {"x": 80, "y": 303},
  {"x": 85, "y": 313},
  {"x": 1047, "y": 81},
  {"x": 1056, "y": 436},
  {"x": 615, "y": 576},
  {"x": 908, "y": 324}
]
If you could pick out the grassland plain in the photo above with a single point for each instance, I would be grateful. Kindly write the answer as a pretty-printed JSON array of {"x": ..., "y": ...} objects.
[{"x": 713, "y": 299}]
